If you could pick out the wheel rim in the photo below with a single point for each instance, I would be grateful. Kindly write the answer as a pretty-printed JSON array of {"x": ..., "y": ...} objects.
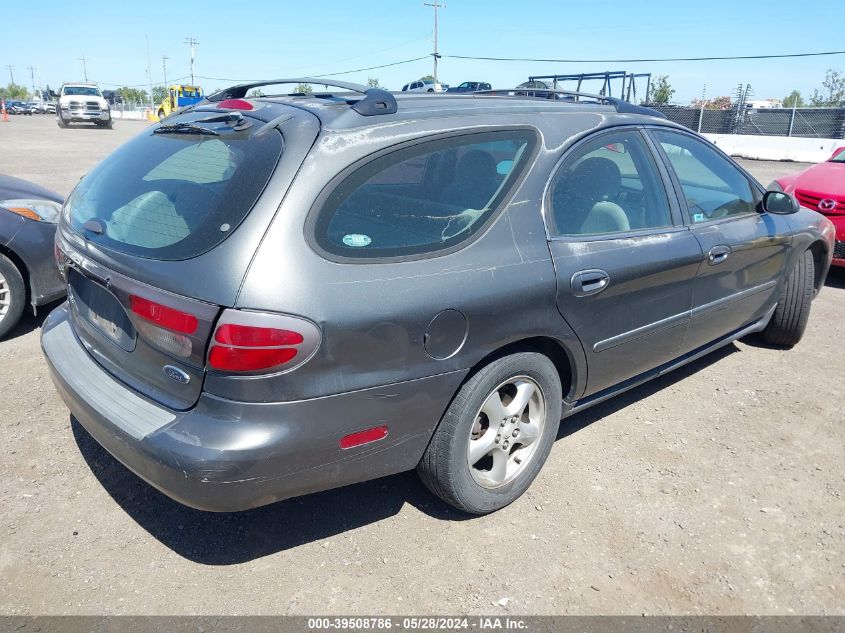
[
  {"x": 506, "y": 432},
  {"x": 5, "y": 297}
]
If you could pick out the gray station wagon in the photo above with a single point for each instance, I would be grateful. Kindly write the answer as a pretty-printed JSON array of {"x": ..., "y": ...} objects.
[{"x": 270, "y": 296}]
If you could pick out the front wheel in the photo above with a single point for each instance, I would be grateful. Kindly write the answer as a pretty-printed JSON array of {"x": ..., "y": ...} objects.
[
  {"x": 789, "y": 321},
  {"x": 161, "y": 114},
  {"x": 495, "y": 435},
  {"x": 12, "y": 295},
  {"x": 60, "y": 121}
]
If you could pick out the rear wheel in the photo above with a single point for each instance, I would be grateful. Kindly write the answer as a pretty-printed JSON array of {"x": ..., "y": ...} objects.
[
  {"x": 161, "y": 114},
  {"x": 790, "y": 318},
  {"x": 496, "y": 434},
  {"x": 12, "y": 295}
]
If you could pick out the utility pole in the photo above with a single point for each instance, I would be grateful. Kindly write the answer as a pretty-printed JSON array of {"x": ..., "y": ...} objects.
[
  {"x": 190, "y": 41},
  {"x": 84, "y": 67},
  {"x": 32, "y": 77},
  {"x": 164, "y": 59},
  {"x": 435, "y": 5},
  {"x": 11, "y": 74},
  {"x": 149, "y": 72}
]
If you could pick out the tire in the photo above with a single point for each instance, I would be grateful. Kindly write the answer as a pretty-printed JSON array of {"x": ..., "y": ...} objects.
[
  {"x": 108, "y": 124},
  {"x": 793, "y": 309},
  {"x": 161, "y": 114},
  {"x": 60, "y": 121},
  {"x": 481, "y": 488},
  {"x": 12, "y": 295}
]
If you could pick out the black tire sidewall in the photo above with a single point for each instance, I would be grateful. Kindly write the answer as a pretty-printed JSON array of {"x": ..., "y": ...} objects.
[
  {"x": 18, "y": 295},
  {"x": 472, "y": 496}
]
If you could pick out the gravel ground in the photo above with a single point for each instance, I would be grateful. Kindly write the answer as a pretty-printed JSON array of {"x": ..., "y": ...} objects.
[{"x": 715, "y": 490}]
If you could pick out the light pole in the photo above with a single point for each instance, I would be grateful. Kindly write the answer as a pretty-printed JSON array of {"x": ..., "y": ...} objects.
[
  {"x": 164, "y": 59},
  {"x": 84, "y": 67}
]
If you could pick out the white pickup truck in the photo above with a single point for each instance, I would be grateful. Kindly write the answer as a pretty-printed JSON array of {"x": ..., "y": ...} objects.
[{"x": 82, "y": 102}]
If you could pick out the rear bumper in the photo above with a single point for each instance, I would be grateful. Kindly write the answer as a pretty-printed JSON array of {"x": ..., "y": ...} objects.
[{"x": 226, "y": 456}]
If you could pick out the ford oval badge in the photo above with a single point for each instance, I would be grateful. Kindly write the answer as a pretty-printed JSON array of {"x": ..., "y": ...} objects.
[{"x": 176, "y": 374}]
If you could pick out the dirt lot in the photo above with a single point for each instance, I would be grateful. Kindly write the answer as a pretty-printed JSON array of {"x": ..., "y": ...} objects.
[{"x": 718, "y": 489}]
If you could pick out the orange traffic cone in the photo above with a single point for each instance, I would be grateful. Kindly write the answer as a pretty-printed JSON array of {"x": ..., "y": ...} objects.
[{"x": 3, "y": 107}]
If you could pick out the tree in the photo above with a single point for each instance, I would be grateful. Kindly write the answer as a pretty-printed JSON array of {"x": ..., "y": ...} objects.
[
  {"x": 716, "y": 103},
  {"x": 255, "y": 92},
  {"x": 14, "y": 91},
  {"x": 833, "y": 92},
  {"x": 132, "y": 95},
  {"x": 304, "y": 89},
  {"x": 159, "y": 93},
  {"x": 661, "y": 91},
  {"x": 372, "y": 82},
  {"x": 793, "y": 100},
  {"x": 427, "y": 78}
]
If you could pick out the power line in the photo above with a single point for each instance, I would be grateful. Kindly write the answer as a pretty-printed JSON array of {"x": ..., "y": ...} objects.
[
  {"x": 345, "y": 72},
  {"x": 655, "y": 59}
]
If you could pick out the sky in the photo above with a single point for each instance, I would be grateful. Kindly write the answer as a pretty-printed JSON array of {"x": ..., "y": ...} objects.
[{"x": 243, "y": 40}]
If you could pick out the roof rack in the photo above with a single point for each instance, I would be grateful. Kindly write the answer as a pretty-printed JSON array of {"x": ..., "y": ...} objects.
[
  {"x": 620, "y": 105},
  {"x": 375, "y": 101}
]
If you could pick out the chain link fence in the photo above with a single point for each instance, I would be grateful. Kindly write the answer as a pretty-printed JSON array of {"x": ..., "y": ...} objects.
[{"x": 802, "y": 122}]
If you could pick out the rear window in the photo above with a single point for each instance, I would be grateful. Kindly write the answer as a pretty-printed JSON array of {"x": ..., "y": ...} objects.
[
  {"x": 421, "y": 199},
  {"x": 174, "y": 196}
]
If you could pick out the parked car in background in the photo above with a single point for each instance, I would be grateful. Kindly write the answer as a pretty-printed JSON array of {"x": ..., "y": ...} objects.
[
  {"x": 28, "y": 270},
  {"x": 424, "y": 85},
  {"x": 470, "y": 86},
  {"x": 82, "y": 102},
  {"x": 822, "y": 188},
  {"x": 18, "y": 107},
  {"x": 50, "y": 108},
  {"x": 436, "y": 297}
]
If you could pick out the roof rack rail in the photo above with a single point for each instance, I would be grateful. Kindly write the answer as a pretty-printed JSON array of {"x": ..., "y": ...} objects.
[
  {"x": 375, "y": 101},
  {"x": 621, "y": 106}
]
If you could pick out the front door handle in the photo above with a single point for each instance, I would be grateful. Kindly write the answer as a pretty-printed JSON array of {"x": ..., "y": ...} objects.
[
  {"x": 589, "y": 282},
  {"x": 718, "y": 254}
]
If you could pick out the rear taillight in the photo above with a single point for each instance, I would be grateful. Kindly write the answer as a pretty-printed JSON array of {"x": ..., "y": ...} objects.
[
  {"x": 163, "y": 326},
  {"x": 250, "y": 342},
  {"x": 163, "y": 316}
]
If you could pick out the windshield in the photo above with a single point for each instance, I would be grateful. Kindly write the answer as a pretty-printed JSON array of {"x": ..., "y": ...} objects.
[
  {"x": 174, "y": 196},
  {"x": 428, "y": 81},
  {"x": 81, "y": 91},
  {"x": 839, "y": 158}
]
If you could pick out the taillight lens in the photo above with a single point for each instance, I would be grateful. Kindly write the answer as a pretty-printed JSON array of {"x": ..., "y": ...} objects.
[
  {"x": 163, "y": 326},
  {"x": 250, "y": 342},
  {"x": 163, "y": 316}
]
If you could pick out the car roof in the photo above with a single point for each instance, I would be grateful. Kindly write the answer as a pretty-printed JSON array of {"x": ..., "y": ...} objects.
[{"x": 333, "y": 109}]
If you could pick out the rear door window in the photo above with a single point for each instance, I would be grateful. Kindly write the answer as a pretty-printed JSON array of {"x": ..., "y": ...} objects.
[
  {"x": 421, "y": 199},
  {"x": 174, "y": 196}
]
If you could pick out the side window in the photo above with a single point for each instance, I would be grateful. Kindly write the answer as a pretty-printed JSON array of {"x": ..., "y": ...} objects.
[
  {"x": 405, "y": 88},
  {"x": 712, "y": 186},
  {"x": 609, "y": 184},
  {"x": 424, "y": 198}
]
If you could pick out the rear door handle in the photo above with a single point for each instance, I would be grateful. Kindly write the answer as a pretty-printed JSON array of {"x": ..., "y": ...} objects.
[
  {"x": 718, "y": 254},
  {"x": 589, "y": 282}
]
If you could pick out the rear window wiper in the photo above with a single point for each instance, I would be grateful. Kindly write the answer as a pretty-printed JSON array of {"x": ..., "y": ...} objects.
[{"x": 184, "y": 128}]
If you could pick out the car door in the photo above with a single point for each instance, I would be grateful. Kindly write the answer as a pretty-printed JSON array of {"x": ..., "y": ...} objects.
[
  {"x": 744, "y": 249},
  {"x": 624, "y": 261}
]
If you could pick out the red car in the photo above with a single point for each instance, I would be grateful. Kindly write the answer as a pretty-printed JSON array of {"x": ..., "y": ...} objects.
[{"x": 822, "y": 188}]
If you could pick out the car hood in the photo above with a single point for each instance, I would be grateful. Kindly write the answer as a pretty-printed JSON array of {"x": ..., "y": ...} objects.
[
  {"x": 824, "y": 179},
  {"x": 12, "y": 188}
]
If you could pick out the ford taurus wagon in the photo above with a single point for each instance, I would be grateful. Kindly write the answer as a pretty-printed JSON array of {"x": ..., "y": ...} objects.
[{"x": 271, "y": 296}]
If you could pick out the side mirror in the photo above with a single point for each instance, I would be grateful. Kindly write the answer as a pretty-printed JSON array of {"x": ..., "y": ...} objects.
[{"x": 780, "y": 203}]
